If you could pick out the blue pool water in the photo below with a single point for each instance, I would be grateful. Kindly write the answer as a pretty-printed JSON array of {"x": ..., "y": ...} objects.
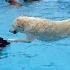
[{"x": 37, "y": 55}]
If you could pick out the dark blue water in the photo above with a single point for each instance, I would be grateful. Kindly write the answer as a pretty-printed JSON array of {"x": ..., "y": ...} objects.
[{"x": 37, "y": 55}]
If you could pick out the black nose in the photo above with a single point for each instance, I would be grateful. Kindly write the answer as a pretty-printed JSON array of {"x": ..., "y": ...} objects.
[{"x": 14, "y": 32}]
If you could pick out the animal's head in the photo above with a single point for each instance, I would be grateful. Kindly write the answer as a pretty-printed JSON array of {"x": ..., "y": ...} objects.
[{"x": 19, "y": 25}]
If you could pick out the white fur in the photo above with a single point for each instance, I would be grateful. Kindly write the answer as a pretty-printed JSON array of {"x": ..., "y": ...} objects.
[{"x": 42, "y": 29}]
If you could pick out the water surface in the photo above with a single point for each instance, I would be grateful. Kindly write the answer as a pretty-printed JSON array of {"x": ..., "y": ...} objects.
[{"x": 37, "y": 55}]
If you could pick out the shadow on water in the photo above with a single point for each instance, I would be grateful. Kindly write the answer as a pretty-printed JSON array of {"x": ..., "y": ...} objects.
[{"x": 3, "y": 54}]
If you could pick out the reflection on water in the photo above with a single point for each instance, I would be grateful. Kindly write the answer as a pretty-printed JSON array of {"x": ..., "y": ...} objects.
[{"x": 2, "y": 54}]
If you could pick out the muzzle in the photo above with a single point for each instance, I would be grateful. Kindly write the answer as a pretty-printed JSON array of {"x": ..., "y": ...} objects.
[{"x": 14, "y": 31}]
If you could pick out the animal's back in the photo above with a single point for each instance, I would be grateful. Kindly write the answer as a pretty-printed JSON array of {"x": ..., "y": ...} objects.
[{"x": 47, "y": 30}]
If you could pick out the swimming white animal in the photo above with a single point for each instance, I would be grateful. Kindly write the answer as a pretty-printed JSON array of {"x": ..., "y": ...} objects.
[{"x": 41, "y": 29}]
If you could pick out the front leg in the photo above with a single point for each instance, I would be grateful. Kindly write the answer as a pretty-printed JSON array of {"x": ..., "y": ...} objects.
[{"x": 28, "y": 39}]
